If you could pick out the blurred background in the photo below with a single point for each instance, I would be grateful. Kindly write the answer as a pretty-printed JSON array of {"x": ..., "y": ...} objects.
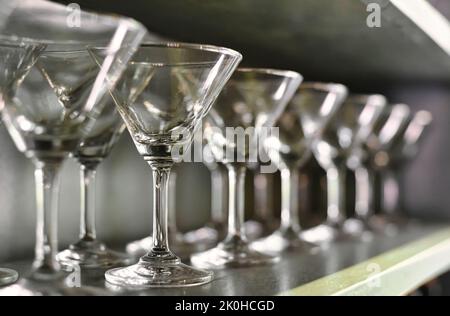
[{"x": 323, "y": 40}]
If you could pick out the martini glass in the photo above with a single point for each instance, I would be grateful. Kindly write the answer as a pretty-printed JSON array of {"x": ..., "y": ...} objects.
[
  {"x": 403, "y": 148},
  {"x": 50, "y": 115},
  {"x": 301, "y": 123},
  {"x": 163, "y": 96},
  {"x": 347, "y": 130},
  {"x": 17, "y": 57},
  {"x": 89, "y": 252},
  {"x": 251, "y": 101},
  {"x": 391, "y": 124},
  {"x": 363, "y": 112}
]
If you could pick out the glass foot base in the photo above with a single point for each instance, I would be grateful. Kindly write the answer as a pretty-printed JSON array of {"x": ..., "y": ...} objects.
[
  {"x": 8, "y": 276},
  {"x": 205, "y": 235},
  {"x": 148, "y": 274},
  {"x": 253, "y": 230},
  {"x": 358, "y": 228},
  {"x": 183, "y": 247},
  {"x": 327, "y": 232},
  {"x": 231, "y": 254},
  {"x": 60, "y": 284},
  {"x": 91, "y": 255},
  {"x": 39, "y": 282},
  {"x": 140, "y": 247},
  {"x": 389, "y": 225},
  {"x": 281, "y": 241}
]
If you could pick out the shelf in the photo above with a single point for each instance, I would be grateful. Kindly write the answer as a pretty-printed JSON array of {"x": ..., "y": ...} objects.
[
  {"x": 322, "y": 39},
  {"x": 396, "y": 272},
  {"x": 383, "y": 266}
]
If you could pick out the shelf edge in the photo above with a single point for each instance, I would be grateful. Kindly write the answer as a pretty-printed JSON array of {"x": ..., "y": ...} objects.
[{"x": 396, "y": 272}]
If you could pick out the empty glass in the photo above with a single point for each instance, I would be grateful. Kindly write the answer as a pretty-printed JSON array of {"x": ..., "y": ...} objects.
[
  {"x": 89, "y": 252},
  {"x": 387, "y": 128},
  {"x": 387, "y": 161},
  {"x": 251, "y": 101},
  {"x": 17, "y": 56},
  {"x": 301, "y": 124},
  {"x": 44, "y": 22},
  {"x": 164, "y": 94},
  {"x": 364, "y": 112},
  {"x": 343, "y": 135},
  {"x": 49, "y": 116}
]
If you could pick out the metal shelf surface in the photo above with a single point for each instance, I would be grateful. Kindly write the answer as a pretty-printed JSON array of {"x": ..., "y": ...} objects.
[{"x": 383, "y": 266}]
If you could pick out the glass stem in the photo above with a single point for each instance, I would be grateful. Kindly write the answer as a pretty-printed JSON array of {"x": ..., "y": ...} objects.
[
  {"x": 236, "y": 200},
  {"x": 336, "y": 194},
  {"x": 364, "y": 207},
  {"x": 47, "y": 190},
  {"x": 263, "y": 184},
  {"x": 217, "y": 196},
  {"x": 160, "y": 249},
  {"x": 87, "y": 188},
  {"x": 390, "y": 192},
  {"x": 289, "y": 200},
  {"x": 172, "y": 215}
]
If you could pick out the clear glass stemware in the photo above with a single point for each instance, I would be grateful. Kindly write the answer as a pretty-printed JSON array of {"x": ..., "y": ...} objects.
[
  {"x": 89, "y": 252},
  {"x": 343, "y": 136},
  {"x": 302, "y": 122},
  {"x": 390, "y": 156},
  {"x": 163, "y": 96},
  {"x": 47, "y": 118},
  {"x": 253, "y": 99},
  {"x": 17, "y": 57}
]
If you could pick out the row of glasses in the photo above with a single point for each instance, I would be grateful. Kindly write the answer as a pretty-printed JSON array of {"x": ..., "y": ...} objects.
[
  {"x": 48, "y": 118},
  {"x": 343, "y": 136},
  {"x": 388, "y": 161},
  {"x": 252, "y": 100},
  {"x": 17, "y": 57},
  {"x": 301, "y": 124},
  {"x": 49, "y": 98},
  {"x": 339, "y": 140},
  {"x": 165, "y": 92}
]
